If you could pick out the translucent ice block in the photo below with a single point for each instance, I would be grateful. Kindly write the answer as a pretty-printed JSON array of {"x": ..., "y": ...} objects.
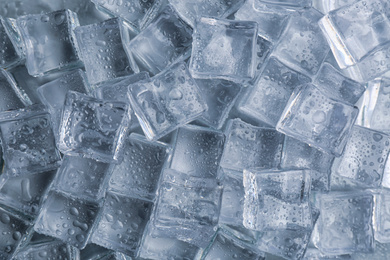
[
  {"x": 10, "y": 43},
  {"x": 49, "y": 250},
  {"x": 49, "y": 41},
  {"x": 102, "y": 49},
  {"x": 11, "y": 96},
  {"x": 318, "y": 120},
  {"x": 224, "y": 49},
  {"x": 170, "y": 100}
]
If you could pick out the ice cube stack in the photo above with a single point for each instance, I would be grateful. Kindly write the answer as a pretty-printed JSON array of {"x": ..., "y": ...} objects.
[{"x": 194, "y": 129}]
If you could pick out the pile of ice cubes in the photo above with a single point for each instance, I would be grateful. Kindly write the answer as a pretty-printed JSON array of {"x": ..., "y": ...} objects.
[{"x": 194, "y": 129}]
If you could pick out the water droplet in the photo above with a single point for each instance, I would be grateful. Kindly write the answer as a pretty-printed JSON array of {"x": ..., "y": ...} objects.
[
  {"x": 175, "y": 94},
  {"x": 80, "y": 238},
  {"x": 377, "y": 137},
  {"x": 101, "y": 43},
  {"x": 160, "y": 117},
  {"x": 73, "y": 211},
  {"x": 17, "y": 235},
  {"x": 45, "y": 18},
  {"x": 319, "y": 117},
  {"x": 4, "y": 218},
  {"x": 59, "y": 18}
]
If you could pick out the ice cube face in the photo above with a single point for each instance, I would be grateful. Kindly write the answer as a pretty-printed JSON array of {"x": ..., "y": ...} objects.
[
  {"x": 381, "y": 216},
  {"x": 277, "y": 200},
  {"x": 248, "y": 146},
  {"x": 10, "y": 41},
  {"x": 26, "y": 193},
  {"x": 83, "y": 177},
  {"x": 271, "y": 92},
  {"x": 309, "y": 45},
  {"x": 170, "y": 100},
  {"x": 272, "y": 19},
  {"x": 122, "y": 223},
  {"x": 49, "y": 41},
  {"x": 225, "y": 246},
  {"x": 312, "y": 117},
  {"x": 138, "y": 13},
  {"x": 297, "y": 154},
  {"x": 53, "y": 93},
  {"x": 66, "y": 218},
  {"x": 187, "y": 207},
  {"x": 138, "y": 174},
  {"x": 164, "y": 42},
  {"x": 156, "y": 246},
  {"x": 15, "y": 231},
  {"x": 101, "y": 46},
  {"x": 93, "y": 128},
  {"x": 224, "y": 49},
  {"x": 355, "y": 30},
  {"x": 28, "y": 141},
  {"x": 10, "y": 98},
  {"x": 192, "y": 10},
  {"x": 49, "y": 250},
  {"x": 353, "y": 212},
  {"x": 220, "y": 96},
  {"x": 364, "y": 157},
  {"x": 336, "y": 85},
  {"x": 198, "y": 152}
]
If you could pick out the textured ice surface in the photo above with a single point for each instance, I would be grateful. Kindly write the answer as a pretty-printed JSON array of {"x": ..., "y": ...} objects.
[
  {"x": 93, "y": 128},
  {"x": 224, "y": 49},
  {"x": 49, "y": 41},
  {"x": 102, "y": 49},
  {"x": 166, "y": 102},
  {"x": 271, "y": 92},
  {"x": 11, "y": 98},
  {"x": 316, "y": 119},
  {"x": 49, "y": 250},
  {"x": 10, "y": 43},
  {"x": 248, "y": 147},
  {"x": 381, "y": 216}
]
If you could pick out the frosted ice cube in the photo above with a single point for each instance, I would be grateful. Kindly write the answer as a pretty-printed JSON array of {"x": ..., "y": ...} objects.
[
  {"x": 102, "y": 49},
  {"x": 318, "y": 120},
  {"x": 170, "y": 100},
  {"x": 49, "y": 41},
  {"x": 93, "y": 128},
  {"x": 224, "y": 49}
]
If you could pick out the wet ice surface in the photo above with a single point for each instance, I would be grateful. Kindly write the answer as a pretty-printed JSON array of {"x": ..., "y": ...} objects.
[{"x": 199, "y": 129}]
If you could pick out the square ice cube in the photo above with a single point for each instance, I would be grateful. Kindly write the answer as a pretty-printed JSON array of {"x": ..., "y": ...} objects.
[
  {"x": 220, "y": 96},
  {"x": 381, "y": 216},
  {"x": 122, "y": 222},
  {"x": 137, "y": 13},
  {"x": 67, "y": 218},
  {"x": 355, "y": 30},
  {"x": 15, "y": 230},
  {"x": 248, "y": 146},
  {"x": 318, "y": 120},
  {"x": 49, "y": 41},
  {"x": 271, "y": 92},
  {"x": 11, "y": 98},
  {"x": 272, "y": 19},
  {"x": 336, "y": 85},
  {"x": 364, "y": 157},
  {"x": 83, "y": 177},
  {"x": 192, "y": 10},
  {"x": 165, "y": 41},
  {"x": 277, "y": 200},
  {"x": 170, "y": 100},
  {"x": 156, "y": 246},
  {"x": 198, "y": 151},
  {"x": 102, "y": 50},
  {"x": 49, "y": 250},
  {"x": 139, "y": 172},
  {"x": 297, "y": 154},
  {"x": 93, "y": 128},
  {"x": 187, "y": 207},
  {"x": 344, "y": 224},
  {"x": 224, "y": 49},
  {"x": 52, "y": 94},
  {"x": 227, "y": 247},
  {"x": 302, "y": 45},
  {"x": 28, "y": 141},
  {"x": 10, "y": 43},
  {"x": 26, "y": 193}
]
